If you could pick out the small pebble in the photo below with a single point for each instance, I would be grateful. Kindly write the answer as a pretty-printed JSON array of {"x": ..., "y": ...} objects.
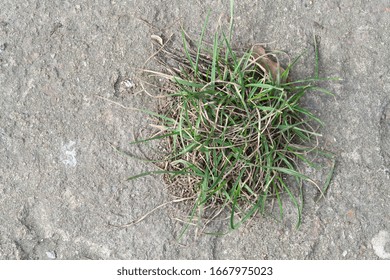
[
  {"x": 51, "y": 255},
  {"x": 128, "y": 83}
]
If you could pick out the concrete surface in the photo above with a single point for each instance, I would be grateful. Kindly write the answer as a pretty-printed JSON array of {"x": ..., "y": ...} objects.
[{"x": 61, "y": 182}]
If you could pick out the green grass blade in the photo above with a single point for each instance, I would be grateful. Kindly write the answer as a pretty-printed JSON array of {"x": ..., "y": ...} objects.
[
  {"x": 316, "y": 60},
  {"x": 156, "y": 172},
  {"x": 186, "y": 50},
  {"x": 153, "y": 138},
  {"x": 231, "y": 20},
  {"x": 328, "y": 179},
  {"x": 200, "y": 43},
  {"x": 215, "y": 59}
]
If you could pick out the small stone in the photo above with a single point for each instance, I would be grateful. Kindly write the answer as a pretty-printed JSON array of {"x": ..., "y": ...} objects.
[
  {"x": 51, "y": 255},
  {"x": 351, "y": 215},
  {"x": 68, "y": 154},
  {"x": 379, "y": 243},
  {"x": 128, "y": 83},
  {"x": 345, "y": 253}
]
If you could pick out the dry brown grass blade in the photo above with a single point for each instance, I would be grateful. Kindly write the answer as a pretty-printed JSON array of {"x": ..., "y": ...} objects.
[
  {"x": 136, "y": 221},
  {"x": 259, "y": 53}
]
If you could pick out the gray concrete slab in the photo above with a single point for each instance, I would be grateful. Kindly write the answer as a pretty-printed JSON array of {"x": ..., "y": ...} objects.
[{"x": 61, "y": 182}]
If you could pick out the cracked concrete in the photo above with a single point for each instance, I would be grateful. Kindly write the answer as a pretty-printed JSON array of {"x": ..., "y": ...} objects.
[{"x": 62, "y": 183}]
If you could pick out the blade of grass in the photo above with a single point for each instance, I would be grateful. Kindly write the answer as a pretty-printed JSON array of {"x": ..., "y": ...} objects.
[
  {"x": 215, "y": 59},
  {"x": 200, "y": 43}
]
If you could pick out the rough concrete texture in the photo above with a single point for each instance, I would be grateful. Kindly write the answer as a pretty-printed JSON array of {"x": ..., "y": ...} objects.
[{"x": 61, "y": 182}]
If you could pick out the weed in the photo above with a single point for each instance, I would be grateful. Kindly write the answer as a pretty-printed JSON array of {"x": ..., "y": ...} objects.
[{"x": 234, "y": 127}]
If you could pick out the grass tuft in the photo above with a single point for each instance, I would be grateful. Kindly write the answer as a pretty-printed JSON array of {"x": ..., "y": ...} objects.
[{"x": 235, "y": 128}]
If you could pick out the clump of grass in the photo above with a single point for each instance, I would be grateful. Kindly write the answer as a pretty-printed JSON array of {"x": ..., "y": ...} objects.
[{"x": 235, "y": 129}]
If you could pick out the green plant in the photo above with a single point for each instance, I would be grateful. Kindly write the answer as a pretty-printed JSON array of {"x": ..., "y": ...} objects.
[{"x": 234, "y": 126}]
